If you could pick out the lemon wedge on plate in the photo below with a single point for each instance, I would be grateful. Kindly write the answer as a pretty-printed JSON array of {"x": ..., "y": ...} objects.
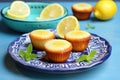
[
  {"x": 51, "y": 11},
  {"x": 18, "y": 10},
  {"x": 67, "y": 24}
]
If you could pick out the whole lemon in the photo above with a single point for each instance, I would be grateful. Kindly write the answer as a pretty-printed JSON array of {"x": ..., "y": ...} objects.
[{"x": 105, "y": 9}]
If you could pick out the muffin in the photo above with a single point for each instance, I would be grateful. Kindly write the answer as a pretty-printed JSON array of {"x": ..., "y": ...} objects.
[
  {"x": 82, "y": 10},
  {"x": 58, "y": 50},
  {"x": 39, "y": 37},
  {"x": 78, "y": 39}
]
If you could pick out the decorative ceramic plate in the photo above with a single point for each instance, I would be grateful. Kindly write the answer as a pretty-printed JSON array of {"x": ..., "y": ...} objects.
[{"x": 39, "y": 64}]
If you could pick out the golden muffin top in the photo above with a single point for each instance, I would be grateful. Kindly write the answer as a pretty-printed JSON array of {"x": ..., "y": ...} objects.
[
  {"x": 58, "y": 45},
  {"x": 77, "y": 35},
  {"x": 82, "y": 6},
  {"x": 41, "y": 34}
]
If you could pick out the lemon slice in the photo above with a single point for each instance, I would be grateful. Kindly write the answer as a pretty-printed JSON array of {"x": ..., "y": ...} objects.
[
  {"x": 13, "y": 15},
  {"x": 67, "y": 24},
  {"x": 51, "y": 11},
  {"x": 19, "y": 10}
]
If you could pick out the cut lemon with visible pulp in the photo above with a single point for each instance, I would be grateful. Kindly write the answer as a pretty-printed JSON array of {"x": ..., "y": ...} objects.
[
  {"x": 18, "y": 10},
  {"x": 51, "y": 11},
  {"x": 13, "y": 15},
  {"x": 67, "y": 24}
]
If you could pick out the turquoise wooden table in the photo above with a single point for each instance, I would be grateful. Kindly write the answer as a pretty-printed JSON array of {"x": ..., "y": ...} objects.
[{"x": 109, "y": 70}]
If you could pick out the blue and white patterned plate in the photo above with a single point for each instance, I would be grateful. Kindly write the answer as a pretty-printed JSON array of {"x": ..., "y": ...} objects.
[{"x": 96, "y": 43}]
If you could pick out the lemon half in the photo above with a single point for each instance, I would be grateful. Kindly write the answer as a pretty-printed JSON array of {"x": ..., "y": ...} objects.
[
  {"x": 67, "y": 24},
  {"x": 51, "y": 11},
  {"x": 19, "y": 10}
]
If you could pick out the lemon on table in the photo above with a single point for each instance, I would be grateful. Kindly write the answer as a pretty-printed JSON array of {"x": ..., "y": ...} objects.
[
  {"x": 105, "y": 9},
  {"x": 67, "y": 24},
  {"x": 18, "y": 10},
  {"x": 51, "y": 11}
]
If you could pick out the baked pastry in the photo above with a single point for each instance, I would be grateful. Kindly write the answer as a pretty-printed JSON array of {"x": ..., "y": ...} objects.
[
  {"x": 82, "y": 10},
  {"x": 78, "y": 39},
  {"x": 39, "y": 37},
  {"x": 58, "y": 50}
]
